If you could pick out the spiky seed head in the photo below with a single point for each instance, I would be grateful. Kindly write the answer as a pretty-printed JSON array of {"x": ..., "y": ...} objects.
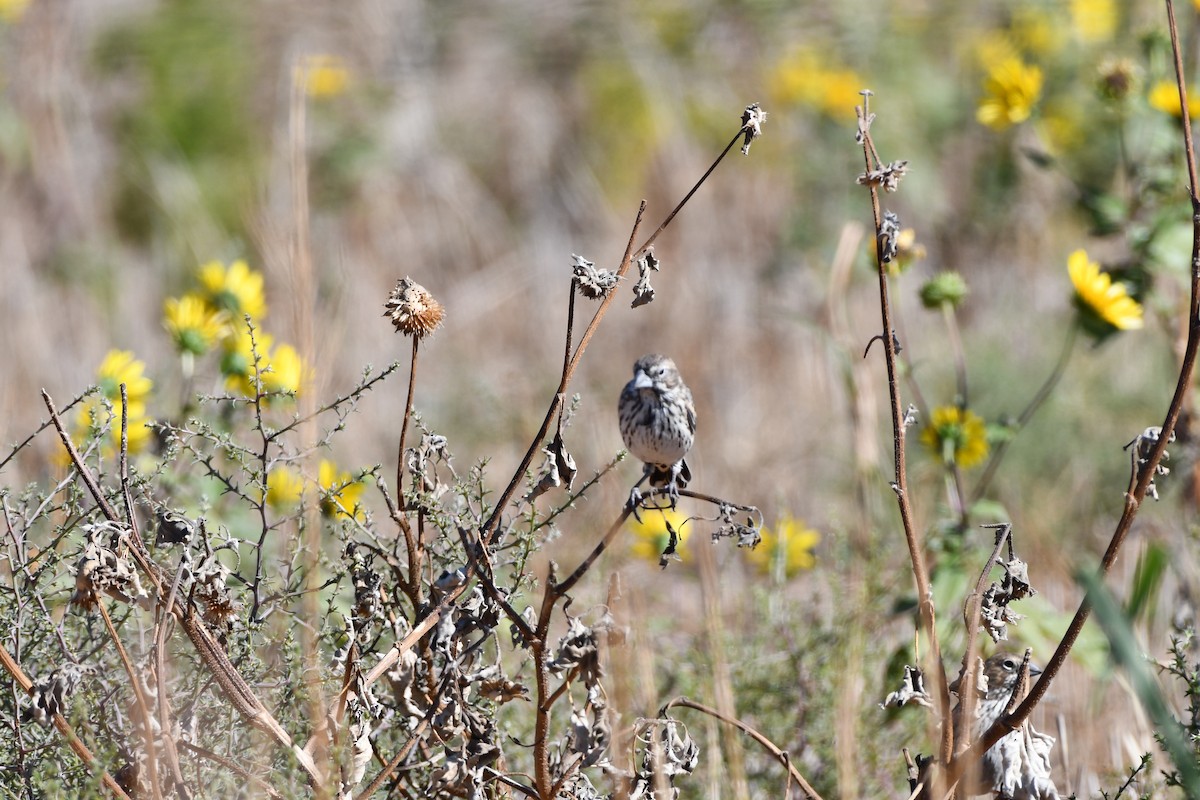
[{"x": 413, "y": 310}]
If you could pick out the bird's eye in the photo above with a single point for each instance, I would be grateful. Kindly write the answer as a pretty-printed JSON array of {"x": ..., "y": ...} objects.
[{"x": 1009, "y": 664}]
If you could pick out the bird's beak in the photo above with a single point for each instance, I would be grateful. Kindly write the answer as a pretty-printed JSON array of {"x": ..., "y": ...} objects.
[
  {"x": 1034, "y": 670},
  {"x": 642, "y": 381}
]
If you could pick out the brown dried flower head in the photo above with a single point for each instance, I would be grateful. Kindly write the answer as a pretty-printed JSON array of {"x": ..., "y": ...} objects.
[{"x": 413, "y": 310}]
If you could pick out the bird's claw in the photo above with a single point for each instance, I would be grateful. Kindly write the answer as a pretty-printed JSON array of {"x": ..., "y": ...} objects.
[{"x": 635, "y": 502}]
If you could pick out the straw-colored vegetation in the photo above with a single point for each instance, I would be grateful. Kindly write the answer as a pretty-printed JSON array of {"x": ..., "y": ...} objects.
[{"x": 315, "y": 320}]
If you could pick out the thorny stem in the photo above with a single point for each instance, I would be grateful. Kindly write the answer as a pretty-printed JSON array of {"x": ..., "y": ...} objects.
[
  {"x": 233, "y": 686},
  {"x": 780, "y": 755},
  {"x": 1060, "y": 367},
  {"x": 11, "y": 666},
  {"x": 911, "y": 536},
  {"x": 1133, "y": 500}
]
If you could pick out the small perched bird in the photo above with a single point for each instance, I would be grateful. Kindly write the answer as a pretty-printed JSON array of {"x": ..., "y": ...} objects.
[
  {"x": 658, "y": 421},
  {"x": 1017, "y": 766}
]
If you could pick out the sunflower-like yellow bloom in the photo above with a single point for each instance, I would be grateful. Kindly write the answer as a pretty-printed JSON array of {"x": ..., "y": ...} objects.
[
  {"x": 785, "y": 549},
  {"x": 194, "y": 325},
  {"x": 285, "y": 487},
  {"x": 650, "y": 536},
  {"x": 340, "y": 493},
  {"x": 956, "y": 436},
  {"x": 1164, "y": 96},
  {"x": 237, "y": 290},
  {"x": 286, "y": 372},
  {"x": 1097, "y": 295},
  {"x": 1011, "y": 89},
  {"x": 118, "y": 366}
]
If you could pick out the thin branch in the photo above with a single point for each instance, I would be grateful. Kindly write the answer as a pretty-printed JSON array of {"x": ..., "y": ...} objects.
[{"x": 900, "y": 485}]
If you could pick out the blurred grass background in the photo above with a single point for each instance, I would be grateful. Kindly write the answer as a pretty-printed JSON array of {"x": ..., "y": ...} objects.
[{"x": 476, "y": 147}]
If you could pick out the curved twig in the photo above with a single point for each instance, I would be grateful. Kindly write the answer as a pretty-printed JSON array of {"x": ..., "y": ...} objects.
[{"x": 779, "y": 754}]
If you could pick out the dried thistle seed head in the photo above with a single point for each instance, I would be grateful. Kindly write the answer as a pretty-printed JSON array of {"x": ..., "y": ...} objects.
[
  {"x": 413, "y": 310},
  {"x": 1119, "y": 77},
  {"x": 593, "y": 283}
]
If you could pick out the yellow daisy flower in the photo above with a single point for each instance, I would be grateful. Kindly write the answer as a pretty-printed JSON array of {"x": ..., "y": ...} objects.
[
  {"x": 785, "y": 549},
  {"x": 650, "y": 536},
  {"x": 237, "y": 289},
  {"x": 1101, "y": 300},
  {"x": 286, "y": 373},
  {"x": 237, "y": 361},
  {"x": 118, "y": 366},
  {"x": 340, "y": 493},
  {"x": 956, "y": 436},
  {"x": 284, "y": 488},
  {"x": 1011, "y": 89},
  {"x": 324, "y": 76},
  {"x": 194, "y": 325},
  {"x": 1164, "y": 96}
]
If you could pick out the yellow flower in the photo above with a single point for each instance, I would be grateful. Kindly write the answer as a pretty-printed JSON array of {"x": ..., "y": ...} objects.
[
  {"x": 1164, "y": 96},
  {"x": 284, "y": 488},
  {"x": 1011, "y": 89},
  {"x": 651, "y": 536},
  {"x": 237, "y": 290},
  {"x": 785, "y": 549},
  {"x": 285, "y": 371},
  {"x": 1099, "y": 299},
  {"x": 193, "y": 324},
  {"x": 237, "y": 363},
  {"x": 956, "y": 436},
  {"x": 1037, "y": 32},
  {"x": 339, "y": 491},
  {"x": 118, "y": 366},
  {"x": 324, "y": 76},
  {"x": 803, "y": 78},
  {"x": 1094, "y": 20}
]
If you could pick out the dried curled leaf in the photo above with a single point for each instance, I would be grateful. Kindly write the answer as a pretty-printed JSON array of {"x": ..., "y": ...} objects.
[
  {"x": 995, "y": 615},
  {"x": 886, "y": 177},
  {"x": 50, "y": 693},
  {"x": 593, "y": 283},
  {"x": 103, "y": 568},
  {"x": 643, "y": 292},
  {"x": 558, "y": 469},
  {"x": 752, "y": 121},
  {"x": 912, "y": 690}
]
